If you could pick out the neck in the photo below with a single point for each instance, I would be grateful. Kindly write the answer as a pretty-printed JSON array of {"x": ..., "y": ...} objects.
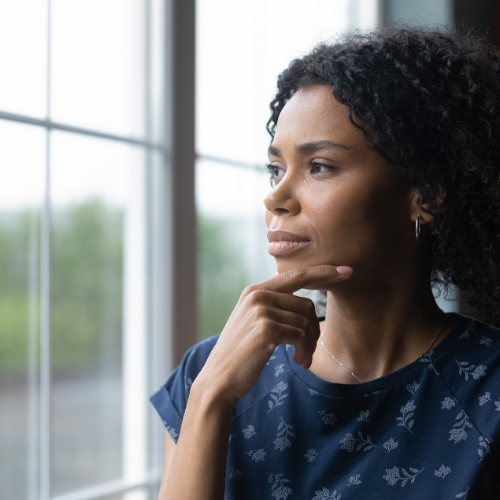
[{"x": 378, "y": 331}]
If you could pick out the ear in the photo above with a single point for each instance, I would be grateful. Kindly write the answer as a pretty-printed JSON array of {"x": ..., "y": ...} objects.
[{"x": 425, "y": 218}]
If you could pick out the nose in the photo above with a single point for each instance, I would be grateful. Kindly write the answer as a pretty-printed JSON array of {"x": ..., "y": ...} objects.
[{"x": 282, "y": 199}]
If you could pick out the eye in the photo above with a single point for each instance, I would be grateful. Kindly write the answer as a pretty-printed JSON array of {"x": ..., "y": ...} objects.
[
  {"x": 275, "y": 172},
  {"x": 320, "y": 167}
]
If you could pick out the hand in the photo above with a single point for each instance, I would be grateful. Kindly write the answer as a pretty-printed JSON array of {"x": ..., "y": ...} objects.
[{"x": 266, "y": 315}]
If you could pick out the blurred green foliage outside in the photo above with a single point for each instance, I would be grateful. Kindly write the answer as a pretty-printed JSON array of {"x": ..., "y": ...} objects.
[
  {"x": 86, "y": 251},
  {"x": 19, "y": 239},
  {"x": 222, "y": 273},
  {"x": 86, "y": 286}
]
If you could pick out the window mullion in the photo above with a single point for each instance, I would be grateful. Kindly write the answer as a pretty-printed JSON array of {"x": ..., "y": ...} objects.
[
  {"x": 76, "y": 130},
  {"x": 44, "y": 458}
]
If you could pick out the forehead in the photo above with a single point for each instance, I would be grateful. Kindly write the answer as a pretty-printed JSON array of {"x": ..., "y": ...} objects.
[{"x": 314, "y": 114}]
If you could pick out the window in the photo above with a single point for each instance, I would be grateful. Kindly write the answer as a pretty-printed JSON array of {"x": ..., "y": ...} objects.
[{"x": 82, "y": 252}]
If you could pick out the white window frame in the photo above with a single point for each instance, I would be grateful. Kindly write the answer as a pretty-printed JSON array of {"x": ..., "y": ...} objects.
[{"x": 164, "y": 217}]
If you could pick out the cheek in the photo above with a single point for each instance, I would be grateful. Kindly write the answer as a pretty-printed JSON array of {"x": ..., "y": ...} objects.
[{"x": 346, "y": 224}]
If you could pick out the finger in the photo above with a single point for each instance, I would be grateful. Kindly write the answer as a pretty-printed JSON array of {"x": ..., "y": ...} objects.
[
  {"x": 283, "y": 301},
  {"x": 286, "y": 334},
  {"x": 295, "y": 279},
  {"x": 304, "y": 307},
  {"x": 290, "y": 318},
  {"x": 289, "y": 309}
]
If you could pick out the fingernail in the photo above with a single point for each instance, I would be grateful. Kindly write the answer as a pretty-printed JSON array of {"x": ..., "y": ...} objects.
[{"x": 345, "y": 270}]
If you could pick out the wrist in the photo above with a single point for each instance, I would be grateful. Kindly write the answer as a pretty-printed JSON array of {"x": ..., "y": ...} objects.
[{"x": 210, "y": 397}]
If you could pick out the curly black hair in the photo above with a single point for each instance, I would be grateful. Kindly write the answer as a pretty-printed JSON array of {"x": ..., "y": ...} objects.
[{"x": 428, "y": 101}]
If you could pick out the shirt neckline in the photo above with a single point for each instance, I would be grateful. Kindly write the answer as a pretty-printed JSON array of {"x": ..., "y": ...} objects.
[{"x": 394, "y": 378}]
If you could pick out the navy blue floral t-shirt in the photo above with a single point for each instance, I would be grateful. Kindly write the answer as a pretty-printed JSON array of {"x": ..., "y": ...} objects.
[{"x": 430, "y": 430}]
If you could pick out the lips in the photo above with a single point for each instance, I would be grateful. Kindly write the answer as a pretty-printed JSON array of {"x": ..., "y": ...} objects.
[
  {"x": 281, "y": 235},
  {"x": 282, "y": 242}
]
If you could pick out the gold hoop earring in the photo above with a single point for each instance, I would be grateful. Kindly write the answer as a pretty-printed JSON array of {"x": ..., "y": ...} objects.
[{"x": 417, "y": 228}]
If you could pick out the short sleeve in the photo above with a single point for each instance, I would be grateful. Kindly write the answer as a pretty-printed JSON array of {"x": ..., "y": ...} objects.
[{"x": 170, "y": 400}]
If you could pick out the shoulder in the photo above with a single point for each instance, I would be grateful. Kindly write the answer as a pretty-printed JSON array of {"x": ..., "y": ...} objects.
[
  {"x": 274, "y": 373},
  {"x": 471, "y": 371},
  {"x": 170, "y": 400},
  {"x": 478, "y": 345},
  {"x": 197, "y": 355},
  {"x": 192, "y": 362}
]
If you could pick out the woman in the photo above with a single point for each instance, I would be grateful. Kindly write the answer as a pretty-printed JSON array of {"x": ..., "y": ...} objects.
[{"x": 385, "y": 165}]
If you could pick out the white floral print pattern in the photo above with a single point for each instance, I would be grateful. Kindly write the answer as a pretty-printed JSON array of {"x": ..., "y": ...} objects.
[
  {"x": 484, "y": 398},
  {"x": 285, "y": 430},
  {"x": 327, "y": 418},
  {"x": 278, "y": 369},
  {"x": 271, "y": 358},
  {"x": 349, "y": 442},
  {"x": 279, "y": 491},
  {"x": 171, "y": 431},
  {"x": 467, "y": 386},
  {"x": 364, "y": 415},
  {"x": 311, "y": 455},
  {"x": 354, "y": 480},
  {"x": 427, "y": 359},
  {"x": 277, "y": 395},
  {"x": 442, "y": 472},
  {"x": 478, "y": 371},
  {"x": 249, "y": 431},
  {"x": 458, "y": 433},
  {"x": 324, "y": 494},
  {"x": 484, "y": 443},
  {"x": 257, "y": 455},
  {"x": 497, "y": 404},
  {"x": 393, "y": 476},
  {"x": 407, "y": 412},
  {"x": 412, "y": 387},
  {"x": 486, "y": 341},
  {"x": 233, "y": 473},
  {"x": 391, "y": 444},
  {"x": 470, "y": 331},
  {"x": 447, "y": 403}
]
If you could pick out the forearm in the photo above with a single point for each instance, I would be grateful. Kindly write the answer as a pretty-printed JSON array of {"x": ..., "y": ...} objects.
[{"x": 198, "y": 468}]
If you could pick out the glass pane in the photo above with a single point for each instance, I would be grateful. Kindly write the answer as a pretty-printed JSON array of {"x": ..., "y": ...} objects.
[
  {"x": 23, "y": 57},
  {"x": 157, "y": 40},
  {"x": 250, "y": 42},
  {"x": 97, "y": 309},
  {"x": 98, "y": 64},
  {"x": 232, "y": 239},
  {"x": 22, "y": 156}
]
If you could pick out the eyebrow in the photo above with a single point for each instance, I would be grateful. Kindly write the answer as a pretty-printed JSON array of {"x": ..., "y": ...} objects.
[{"x": 309, "y": 147}]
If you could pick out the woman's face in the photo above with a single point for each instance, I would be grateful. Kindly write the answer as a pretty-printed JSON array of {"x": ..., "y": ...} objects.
[{"x": 335, "y": 192}]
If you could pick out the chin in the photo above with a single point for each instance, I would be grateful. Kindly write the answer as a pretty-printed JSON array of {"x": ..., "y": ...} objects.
[{"x": 285, "y": 265}]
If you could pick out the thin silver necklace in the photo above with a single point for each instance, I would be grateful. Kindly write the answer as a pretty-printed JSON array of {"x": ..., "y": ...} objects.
[{"x": 355, "y": 376}]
